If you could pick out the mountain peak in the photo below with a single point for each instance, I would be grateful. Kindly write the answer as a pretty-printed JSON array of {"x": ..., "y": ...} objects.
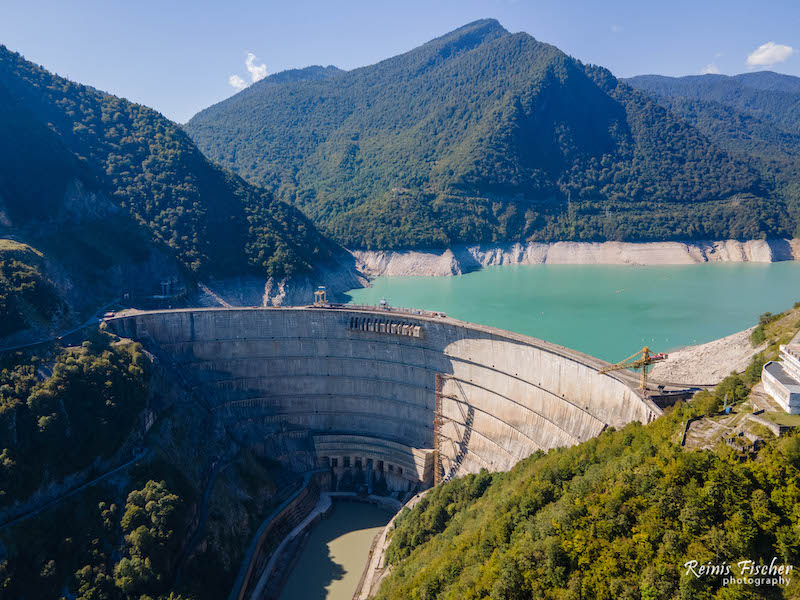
[
  {"x": 478, "y": 31},
  {"x": 477, "y": 135},
  {"x": 484, "y": 25}
]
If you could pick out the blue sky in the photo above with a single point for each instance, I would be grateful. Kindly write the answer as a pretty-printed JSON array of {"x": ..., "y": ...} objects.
[{"x": 178, "y": 56}]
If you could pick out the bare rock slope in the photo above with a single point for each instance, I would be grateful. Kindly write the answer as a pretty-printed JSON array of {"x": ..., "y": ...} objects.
[{"x": 710, "y": 363}]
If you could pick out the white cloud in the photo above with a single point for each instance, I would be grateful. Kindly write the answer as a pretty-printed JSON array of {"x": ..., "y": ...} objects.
[
  {"x": 769, "y": 54},
  {"x": 616, "y": 28},
  {"x": 710, "y": 69},
  {"x": 237, "y": 82},
  {"x": 257, "y": 72}
]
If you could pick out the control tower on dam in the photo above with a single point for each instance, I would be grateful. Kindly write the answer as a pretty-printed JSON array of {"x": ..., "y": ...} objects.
[{"x": 385, "y": 392}]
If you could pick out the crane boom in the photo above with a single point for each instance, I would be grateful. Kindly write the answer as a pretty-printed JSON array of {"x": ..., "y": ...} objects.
[{"x": 641, "y": 360}]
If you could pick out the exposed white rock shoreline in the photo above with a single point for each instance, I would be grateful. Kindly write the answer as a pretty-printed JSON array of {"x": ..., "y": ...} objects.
[
  {"x": 463, "y": 259},
  {"x": 339, "y": 277},
  {"x": 355, "y": 267}
]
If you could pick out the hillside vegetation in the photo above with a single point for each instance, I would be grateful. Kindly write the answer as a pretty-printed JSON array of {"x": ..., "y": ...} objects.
[
  {"x": 613, "y": 518},
  {"x": 26, "y": 296},
  {"x": 102, "y": 548},
  {"x": 71, "y": 154},
  {"x": 484, "y": 135},
  {"x": 755, "y": 116},
  {"x": 77, "y": 414},
  {"x": 61, "y": 410},
  {"x": 616, "y": 517}
]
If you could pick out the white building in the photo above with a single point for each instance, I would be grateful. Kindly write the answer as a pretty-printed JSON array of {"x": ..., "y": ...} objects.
[{"x": 782, "y": 378}]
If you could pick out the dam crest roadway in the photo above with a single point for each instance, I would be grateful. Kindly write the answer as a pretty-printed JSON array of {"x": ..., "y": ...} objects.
[{"x": 360, "y": 388}]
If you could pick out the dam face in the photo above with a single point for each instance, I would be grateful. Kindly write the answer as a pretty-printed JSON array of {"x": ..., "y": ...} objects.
[{"x": 358, "y": 390}]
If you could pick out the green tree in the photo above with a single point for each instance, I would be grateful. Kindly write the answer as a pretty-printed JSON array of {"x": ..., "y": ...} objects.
[{"x": 150, "y": 522}]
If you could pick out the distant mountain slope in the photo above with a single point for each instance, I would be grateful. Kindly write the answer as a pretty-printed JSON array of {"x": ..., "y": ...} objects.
[
  {"x": 484, "y": 135},
  {"x": 755, "y": 116},
  {"x": 770, "y": 97},
  {"x": 312, "y": 73},
  {"x": 770, "y": 81},
  {"x": 70, "y": 154}
]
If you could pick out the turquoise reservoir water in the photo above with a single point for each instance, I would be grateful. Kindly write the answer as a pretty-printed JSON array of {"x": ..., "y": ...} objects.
[{"x": 606, "y": 311}]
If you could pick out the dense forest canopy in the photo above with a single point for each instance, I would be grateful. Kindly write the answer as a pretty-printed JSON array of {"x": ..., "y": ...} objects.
[
  {"x": 767, "y": 96},
  {"x": 103, "y": 548},
  {"x": 62, "y": 410},
  {"x": 484, "y": 135},
  {"x": 753, "y": 116},
  {"x": 63, "y": 141},
  {"x": 26, "y": 295},
  {"x": 614, "y": 518}
]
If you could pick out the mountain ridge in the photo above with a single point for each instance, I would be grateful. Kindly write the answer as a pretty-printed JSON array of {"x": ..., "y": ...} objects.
[
  {"x": 118, "y": 199},
  {"x": 482, "y": 135},
  {"x": 149, "y": 169},
  {"x": 767, "y": 95},
  {"x": 754, "y": 116}
]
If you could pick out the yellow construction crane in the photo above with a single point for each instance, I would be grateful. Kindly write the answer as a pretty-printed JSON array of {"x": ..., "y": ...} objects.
[{"x": 641, "y": 360}]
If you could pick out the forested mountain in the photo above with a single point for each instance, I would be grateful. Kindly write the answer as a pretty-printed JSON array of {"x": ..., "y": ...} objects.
[
  {"x": 71, "y": 156},
  {"x": 484, "y": 135},
  {"x": 617, "y": 517},
  {"x": 770, "y": 97},
  {"x": 312, "y": 73},
  {"x": 754, "y": 115}
]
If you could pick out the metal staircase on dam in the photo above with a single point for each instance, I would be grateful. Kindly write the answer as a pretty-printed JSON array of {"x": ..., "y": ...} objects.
[{"x": 461, "y": 448}]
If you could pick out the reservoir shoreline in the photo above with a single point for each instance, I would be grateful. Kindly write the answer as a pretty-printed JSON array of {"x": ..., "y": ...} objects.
[
  {"x": 354, "y": 269},
  {"x": 467, "y": 258},
  {"x": 609, "y": 311}
]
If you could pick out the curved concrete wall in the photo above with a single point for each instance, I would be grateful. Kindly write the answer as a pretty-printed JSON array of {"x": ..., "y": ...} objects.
[{"x": 363, "y": 375}]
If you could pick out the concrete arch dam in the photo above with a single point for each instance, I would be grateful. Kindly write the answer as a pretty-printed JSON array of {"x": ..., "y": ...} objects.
[{"x": 352, "y": 388}]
